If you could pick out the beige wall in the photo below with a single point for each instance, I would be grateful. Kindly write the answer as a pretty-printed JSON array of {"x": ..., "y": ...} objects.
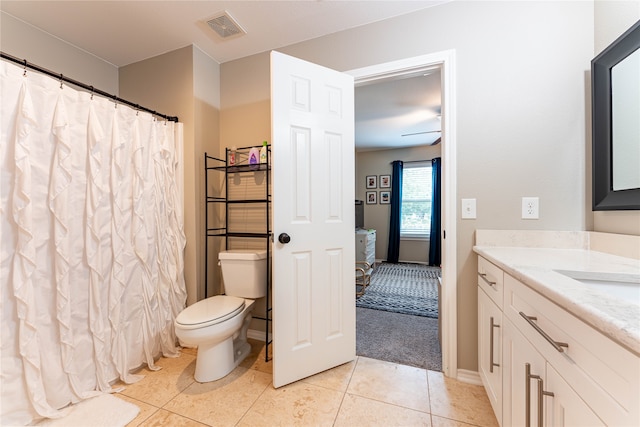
[
  {"x": 612, "y": 18},
  {"x": 245, "y": 116},
  {"x": 520, "y": 110},
  {"x": 185, "y": 83},
  {"x": 24, "y": 41},
  {"x": 376, "y": 216},
  {"x": 206, "y": 80}
]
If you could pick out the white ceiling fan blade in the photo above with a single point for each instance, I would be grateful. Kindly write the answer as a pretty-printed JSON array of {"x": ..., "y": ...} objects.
[{"x": 421, "y": 133}]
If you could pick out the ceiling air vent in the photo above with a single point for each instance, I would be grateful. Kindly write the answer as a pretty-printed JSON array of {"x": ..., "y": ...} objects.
[{"x": 225, "y": 25}]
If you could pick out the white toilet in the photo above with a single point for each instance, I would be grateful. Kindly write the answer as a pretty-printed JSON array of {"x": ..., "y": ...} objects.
[{"x": 218, "y": 325}]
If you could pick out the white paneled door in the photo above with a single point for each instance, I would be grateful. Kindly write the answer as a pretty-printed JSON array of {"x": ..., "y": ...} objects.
[{"x": 312, "y": 115}]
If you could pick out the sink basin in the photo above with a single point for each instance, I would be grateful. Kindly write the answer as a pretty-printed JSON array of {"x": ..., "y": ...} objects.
[{"x": 619, "y": 285}]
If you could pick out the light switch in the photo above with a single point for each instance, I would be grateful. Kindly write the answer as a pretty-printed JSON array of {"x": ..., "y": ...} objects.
[{"x": 468, "y": 208}]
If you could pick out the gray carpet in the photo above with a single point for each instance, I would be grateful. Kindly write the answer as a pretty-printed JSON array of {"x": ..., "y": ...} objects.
[
  {"x": 403, "y": 288},
  {"x": 399, "y": 338}
]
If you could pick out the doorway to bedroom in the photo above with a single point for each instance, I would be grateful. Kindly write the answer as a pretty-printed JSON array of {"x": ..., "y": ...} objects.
[{"x": 399, "y": 117}]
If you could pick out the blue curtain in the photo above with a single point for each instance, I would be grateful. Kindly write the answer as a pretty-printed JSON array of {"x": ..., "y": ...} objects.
[
  {"x": 393, "y": 250},
  {"x": 435, "y": 246}
]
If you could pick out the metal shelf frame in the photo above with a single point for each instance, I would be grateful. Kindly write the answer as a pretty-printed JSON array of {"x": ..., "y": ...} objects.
[{"x": 215, "y": 230}]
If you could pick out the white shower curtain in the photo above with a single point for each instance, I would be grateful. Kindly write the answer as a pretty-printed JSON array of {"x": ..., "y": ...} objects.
[{"x": 92, "y": 243}]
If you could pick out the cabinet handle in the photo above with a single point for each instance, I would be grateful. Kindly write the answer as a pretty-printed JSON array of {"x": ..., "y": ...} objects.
[
  {"x": 491, "y": 326},
  {"x": 541, "y": 395},
  {"x": 527, "y": 396},
  {"x": 483, "y": 276},
  {"x": 556, "y": 344}
]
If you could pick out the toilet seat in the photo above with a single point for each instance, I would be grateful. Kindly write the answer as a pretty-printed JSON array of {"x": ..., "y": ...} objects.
[{"x": 210, "y": 311}]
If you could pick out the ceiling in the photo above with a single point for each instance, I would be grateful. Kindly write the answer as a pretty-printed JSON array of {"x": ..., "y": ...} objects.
[
  {"x": 124, "y": 32},
  {"x": 400, "y": 112}
]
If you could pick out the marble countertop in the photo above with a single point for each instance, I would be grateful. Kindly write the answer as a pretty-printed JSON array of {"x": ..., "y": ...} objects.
[{"x": 616, "y": 318}]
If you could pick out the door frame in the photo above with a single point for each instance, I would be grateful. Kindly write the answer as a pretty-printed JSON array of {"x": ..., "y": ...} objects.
[{"x": 444, "y": 60}]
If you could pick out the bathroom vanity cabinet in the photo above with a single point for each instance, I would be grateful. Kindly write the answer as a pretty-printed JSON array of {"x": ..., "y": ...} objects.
[{"x": 543, "y": 366}]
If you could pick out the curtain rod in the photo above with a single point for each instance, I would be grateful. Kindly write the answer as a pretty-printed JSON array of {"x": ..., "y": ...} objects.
[
  {"x": 414, "y": 161},
  {"x": 62, "y": 78}
]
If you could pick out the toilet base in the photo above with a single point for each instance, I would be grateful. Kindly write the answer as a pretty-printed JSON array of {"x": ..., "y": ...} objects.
[{"x": 215, "y": 361}]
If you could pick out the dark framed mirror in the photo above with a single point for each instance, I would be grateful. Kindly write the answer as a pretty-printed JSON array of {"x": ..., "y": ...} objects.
[{"x": 615, "y": 92}]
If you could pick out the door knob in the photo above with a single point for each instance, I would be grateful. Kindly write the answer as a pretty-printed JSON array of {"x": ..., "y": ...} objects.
[{"x": 284, "y": 238}]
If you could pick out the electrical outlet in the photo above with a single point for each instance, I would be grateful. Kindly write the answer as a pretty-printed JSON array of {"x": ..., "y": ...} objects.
[{"x": 530, "y": 208}]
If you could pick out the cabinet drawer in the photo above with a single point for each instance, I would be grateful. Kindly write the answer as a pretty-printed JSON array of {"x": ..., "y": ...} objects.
[
  {"x": 605, "y": 374},
  {"x": 490, "y": 280}
]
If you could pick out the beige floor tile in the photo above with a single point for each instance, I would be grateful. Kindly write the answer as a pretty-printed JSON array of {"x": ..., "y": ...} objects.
[
  {"x": 335, "y": 379},
  {"x": 298, "y": 404},
  {"x": 146, "y": 410},
  {"x": 165, "y": 419},
  {"x": 159, "y": 387},
  {"x": 460, "y": 401},
  {"x": 190, "y": 350},
  {"x": 255, "y": 359},
  {"x": 388, "y": 382},
  {"x": 359, "y": 411},
  {"x": 377, "y": 393},
  {"x": 222, "y": 402},
  {"x": 446, "y": 422}
]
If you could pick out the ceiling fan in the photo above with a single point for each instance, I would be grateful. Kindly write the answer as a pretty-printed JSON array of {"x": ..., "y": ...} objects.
[{"x": 437, "y": 141}]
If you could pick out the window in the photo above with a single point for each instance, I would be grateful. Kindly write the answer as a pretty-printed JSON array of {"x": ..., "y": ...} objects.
[{"x": 416, "y": 200}]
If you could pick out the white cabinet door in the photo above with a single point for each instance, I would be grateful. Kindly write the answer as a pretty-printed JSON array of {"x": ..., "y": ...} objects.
[
  {"x": 565, "y": 408},
  {"x": 521, "y": 364},
  {"x": 490, "y": 350},
  {"x": 313, "y": 193}
]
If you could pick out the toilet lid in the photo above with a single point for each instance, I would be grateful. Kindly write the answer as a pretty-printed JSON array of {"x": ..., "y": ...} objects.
[{"x": 210, "y": 311}]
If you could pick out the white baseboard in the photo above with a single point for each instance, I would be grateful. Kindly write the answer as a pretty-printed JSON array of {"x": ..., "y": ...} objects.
[
  {"x": 256, "y": 335},
  {"x": 469, "y": 377}
]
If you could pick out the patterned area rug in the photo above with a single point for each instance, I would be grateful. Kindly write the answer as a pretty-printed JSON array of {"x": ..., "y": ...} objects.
[{"x": 403, "y": 288}]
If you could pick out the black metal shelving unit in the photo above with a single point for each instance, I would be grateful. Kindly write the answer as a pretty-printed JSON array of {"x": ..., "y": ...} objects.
[{"x": 216, "y": 165}]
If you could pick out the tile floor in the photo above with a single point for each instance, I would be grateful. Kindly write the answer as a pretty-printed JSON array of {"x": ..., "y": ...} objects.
[{"x": 365, "y": 392}]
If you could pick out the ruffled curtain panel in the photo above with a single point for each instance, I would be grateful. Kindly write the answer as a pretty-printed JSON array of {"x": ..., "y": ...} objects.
[{"x": 92, "y": 243}]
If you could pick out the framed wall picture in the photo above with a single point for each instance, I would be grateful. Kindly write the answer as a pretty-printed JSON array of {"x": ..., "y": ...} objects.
[
  {"x": 385, "y": 197},
  {"x": 385, "y": 181},
  {"x": 372, "y": 198},
  {"x": 372, "y": 181}
]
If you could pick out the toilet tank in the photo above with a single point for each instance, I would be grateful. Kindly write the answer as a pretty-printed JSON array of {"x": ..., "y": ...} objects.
[{"x": 244, "y": 272}]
